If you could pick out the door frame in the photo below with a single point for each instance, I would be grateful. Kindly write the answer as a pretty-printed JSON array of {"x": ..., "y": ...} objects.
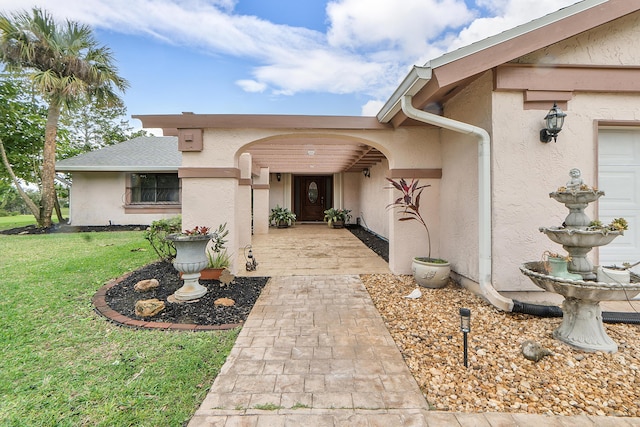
[{"x": 296, "y": 191}]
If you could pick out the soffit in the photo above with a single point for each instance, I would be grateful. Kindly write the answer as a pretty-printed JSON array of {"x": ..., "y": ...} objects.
[
  {"x": 317, "y": 156},
  {"x": 299, "y": 155}
]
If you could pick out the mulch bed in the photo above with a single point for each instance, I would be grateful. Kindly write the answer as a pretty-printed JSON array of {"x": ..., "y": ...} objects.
[
  {"x": 372, "y": 241},
  {"x": 120, "y": 298},
  {"x": 243, "y": 290},
  {"x": 57, "y": 228}
]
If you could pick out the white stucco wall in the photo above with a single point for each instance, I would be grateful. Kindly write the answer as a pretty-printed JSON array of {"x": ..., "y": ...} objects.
[{"x": 99, "y": 197}]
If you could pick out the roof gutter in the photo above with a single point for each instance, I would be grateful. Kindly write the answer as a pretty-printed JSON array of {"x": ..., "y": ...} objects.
[
  {"x": 413, "y": 83},
  {"x": 484, "y": 194}
]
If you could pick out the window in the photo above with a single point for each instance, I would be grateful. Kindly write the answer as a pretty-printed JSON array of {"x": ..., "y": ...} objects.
[{"x": 154, "y": 188}]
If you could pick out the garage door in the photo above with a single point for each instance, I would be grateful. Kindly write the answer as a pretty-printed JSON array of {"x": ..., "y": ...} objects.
[{"x": 619, "y": 178}]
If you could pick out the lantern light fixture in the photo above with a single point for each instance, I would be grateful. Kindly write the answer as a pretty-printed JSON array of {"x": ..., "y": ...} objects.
[
  {"x": 366, "y": 172},
  {"x": 554, "y": 121},
  {"x": 465, "y": 327}
]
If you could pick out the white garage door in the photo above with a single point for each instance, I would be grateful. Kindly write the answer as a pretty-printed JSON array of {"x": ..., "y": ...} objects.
[{"x": 619, "y": 178}]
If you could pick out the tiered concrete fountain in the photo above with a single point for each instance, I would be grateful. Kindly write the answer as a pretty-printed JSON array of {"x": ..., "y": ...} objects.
[{"x": 582, "y": 325}]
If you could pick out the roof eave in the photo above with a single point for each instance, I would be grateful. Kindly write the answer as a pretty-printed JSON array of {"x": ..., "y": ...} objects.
[
  {"x": 134, "y": 168},
  {"x": 418, "y": 77}
]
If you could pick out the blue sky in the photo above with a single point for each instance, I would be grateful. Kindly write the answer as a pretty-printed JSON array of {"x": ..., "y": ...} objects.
[{"x": 318, "y": 57}]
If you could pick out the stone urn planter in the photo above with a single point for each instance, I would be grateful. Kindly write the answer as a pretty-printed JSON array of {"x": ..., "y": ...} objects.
[
  {"x": 431, "y": 273},
  {"x": 191, "y": 259}
]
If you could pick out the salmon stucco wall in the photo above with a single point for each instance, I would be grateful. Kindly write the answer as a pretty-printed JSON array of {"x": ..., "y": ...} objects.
[
  {"x": 614, "y": 43},
  {"x": 459, "y": 202},
  {"x": 525, "y": 170},
  {"x": 351, "y": 184},
  {"x": 373, "y": 198},
  {"x": 98, "y": 198},
  {"x": 276, "y": 191}
]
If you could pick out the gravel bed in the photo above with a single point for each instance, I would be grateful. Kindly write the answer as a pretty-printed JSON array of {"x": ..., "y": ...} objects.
[{"x": 499, "y": 378}]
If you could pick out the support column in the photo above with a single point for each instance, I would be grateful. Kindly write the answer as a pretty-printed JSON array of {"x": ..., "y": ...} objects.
[
  {"x": 243, "y": 202},
  {"x": 261, "y": 202}
]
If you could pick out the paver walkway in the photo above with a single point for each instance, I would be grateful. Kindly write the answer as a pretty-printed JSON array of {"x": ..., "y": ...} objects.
[{"x": 315, "y": 352}]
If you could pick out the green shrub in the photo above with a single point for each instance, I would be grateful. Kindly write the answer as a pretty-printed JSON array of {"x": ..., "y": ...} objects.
[{"x": 156, "y": 235}]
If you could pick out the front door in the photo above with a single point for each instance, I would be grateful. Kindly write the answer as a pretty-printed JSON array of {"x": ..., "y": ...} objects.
[{"x": 312, "y": 197}]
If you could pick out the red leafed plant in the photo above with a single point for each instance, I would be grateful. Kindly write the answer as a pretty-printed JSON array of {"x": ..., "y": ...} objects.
[
  {"x": 197, "y": 230},
  {"x": 409, "y": 202}
]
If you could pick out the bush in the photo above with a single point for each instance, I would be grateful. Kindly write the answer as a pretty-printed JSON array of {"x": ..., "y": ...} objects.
[{"x": 156, "y": 235}]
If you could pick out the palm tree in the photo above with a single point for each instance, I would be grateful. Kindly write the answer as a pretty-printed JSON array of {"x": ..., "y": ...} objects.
[{"x": 65, "y": 64}]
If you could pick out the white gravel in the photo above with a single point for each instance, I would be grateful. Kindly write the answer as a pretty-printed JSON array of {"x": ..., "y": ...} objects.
[{"x": 499, "y": 378}]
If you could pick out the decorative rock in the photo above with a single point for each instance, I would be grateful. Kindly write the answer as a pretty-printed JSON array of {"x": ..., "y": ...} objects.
[
  {"x": 149, "y": 307},
  {"x": 534, "y": 351},
  {"x": 226, "y": 277},
  {"x": 227, "y": 302},
  {"x": 146, "y": 285}
]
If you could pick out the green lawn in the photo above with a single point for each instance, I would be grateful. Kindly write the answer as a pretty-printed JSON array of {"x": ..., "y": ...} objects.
[
  {"x": 7, "y": 222},
  {"x": 63, "y": 365}
]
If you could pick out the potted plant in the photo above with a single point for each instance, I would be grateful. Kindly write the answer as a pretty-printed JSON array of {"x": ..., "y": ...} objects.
[
  {"x": 190, "y": 260},
  {"x": 557, "y": 265},
  {"x": 217, "y": 255},
  {"x": 427, "y": 271},
  {"x": 281, "y": 217},
  {"x": 336, "y": 218}
]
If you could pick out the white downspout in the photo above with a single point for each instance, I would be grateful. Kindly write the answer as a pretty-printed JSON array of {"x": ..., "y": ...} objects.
[{"x": 484, "y": 195}]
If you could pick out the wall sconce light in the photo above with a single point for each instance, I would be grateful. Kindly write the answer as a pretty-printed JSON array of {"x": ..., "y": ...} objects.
[
  {"x": 555, "y": 120},
  {"x": 278, "y": 176},
  {"x": 366, "y": 172},
  {"x": 465, "y": 327}
]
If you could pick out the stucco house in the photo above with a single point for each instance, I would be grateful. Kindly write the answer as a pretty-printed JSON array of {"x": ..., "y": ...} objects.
[
  {"x": 134, "y": 182},
  {"x": 467, "y": 123}
]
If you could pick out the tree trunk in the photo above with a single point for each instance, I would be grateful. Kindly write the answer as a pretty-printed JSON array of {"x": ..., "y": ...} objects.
[
  {"x": 57, "y": 207},
  {"x": 49, "y": 164},
  {"x": 27, "y": 200}
]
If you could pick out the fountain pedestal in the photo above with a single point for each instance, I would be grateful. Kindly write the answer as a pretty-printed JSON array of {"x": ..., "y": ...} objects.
[{"x": 582, "y": 326}]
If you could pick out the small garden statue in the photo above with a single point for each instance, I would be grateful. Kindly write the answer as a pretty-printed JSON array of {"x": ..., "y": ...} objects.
[{"x": 575, "y": 182}]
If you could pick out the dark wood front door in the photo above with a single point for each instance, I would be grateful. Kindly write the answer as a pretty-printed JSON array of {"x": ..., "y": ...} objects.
[{"x": 313, "y": 196}]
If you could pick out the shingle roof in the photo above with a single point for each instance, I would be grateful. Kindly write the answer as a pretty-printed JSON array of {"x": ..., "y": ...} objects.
[{"x": 145, "y": 153}]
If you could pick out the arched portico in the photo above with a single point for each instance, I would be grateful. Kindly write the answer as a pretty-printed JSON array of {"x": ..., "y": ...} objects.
[{"x": 228, "y": 167}]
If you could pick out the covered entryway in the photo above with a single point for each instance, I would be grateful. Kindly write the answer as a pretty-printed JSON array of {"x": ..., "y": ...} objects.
[
  {"x": 619, "y": 178},
  {"x": 311, "y": 250}
]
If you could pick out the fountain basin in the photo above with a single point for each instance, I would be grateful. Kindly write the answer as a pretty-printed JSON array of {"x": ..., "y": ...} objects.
[
  {"x": 581, "y": 326},
  {"x": 576, "y": 197},
  {"x": 580, "y": 238},
  {"x": 582, "y": 289}
]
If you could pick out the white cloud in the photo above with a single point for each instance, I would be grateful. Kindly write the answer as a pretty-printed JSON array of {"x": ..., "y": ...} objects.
[
  {"x": 405, "y": 28},
  {"x": 372, "y": 107},
  {"x": 251, "y": 85},
  {"x": 368, "y": 48},
  {"x": 507, "y": 14}
]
